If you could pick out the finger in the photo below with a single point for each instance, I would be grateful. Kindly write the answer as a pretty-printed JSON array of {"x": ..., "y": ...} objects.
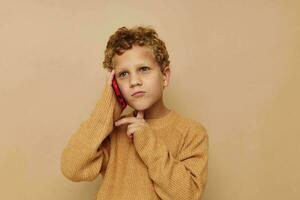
[
  {"x": 140, "y": 114},
  {"x": 130, "y": 131},
  {"x": 111, "y": 76},
  {"x": 132, "y": 128},
  {"x": 108, "y": 76},
  {"x": 125, "y": 120}
]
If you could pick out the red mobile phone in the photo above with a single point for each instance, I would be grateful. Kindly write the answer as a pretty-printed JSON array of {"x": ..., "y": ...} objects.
[{"x": 121, "y": 100}]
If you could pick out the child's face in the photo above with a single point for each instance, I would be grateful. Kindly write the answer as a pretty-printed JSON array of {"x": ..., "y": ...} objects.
[{"x": 137, "y": 70}]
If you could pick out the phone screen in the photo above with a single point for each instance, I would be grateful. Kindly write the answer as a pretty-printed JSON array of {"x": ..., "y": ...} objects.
[{"x": 121, "y": 100}]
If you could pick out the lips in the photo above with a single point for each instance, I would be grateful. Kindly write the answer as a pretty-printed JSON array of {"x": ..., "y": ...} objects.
[{"x": 138, "y": 92}]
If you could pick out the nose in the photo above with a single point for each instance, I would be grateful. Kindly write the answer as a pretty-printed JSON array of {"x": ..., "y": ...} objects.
[{"x": 135, "y": 80}]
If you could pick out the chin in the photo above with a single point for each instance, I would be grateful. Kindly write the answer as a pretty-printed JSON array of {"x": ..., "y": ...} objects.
[{"x": 139, "y": 106}]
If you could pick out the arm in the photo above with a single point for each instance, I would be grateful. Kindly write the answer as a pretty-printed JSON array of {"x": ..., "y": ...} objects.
[
  {"x": 87, "y": 151},
  {"x": 183, "y": 178}
]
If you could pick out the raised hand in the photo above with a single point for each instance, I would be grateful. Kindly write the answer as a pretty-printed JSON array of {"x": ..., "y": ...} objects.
[
  {"x": 117, "y": 108},
  {"x": 134, "y": 123}
]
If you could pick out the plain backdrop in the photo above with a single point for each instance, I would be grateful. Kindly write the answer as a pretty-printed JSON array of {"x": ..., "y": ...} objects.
[{"x": 234, "y": 68}]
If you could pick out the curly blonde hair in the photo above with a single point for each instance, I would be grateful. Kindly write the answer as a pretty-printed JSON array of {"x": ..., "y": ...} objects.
[{"x": 124, "y": 38}]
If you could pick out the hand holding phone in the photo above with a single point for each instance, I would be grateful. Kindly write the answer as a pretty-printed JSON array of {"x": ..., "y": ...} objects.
[{"x": 121, "y": 100}]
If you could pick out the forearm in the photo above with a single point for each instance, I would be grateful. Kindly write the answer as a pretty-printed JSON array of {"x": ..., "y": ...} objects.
[
  {"x": 87, "y": 150},
  {"x": 174, "y": 178}
]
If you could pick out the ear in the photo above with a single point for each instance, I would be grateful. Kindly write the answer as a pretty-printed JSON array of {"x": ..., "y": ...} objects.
[{"x": 166, "y": 76}]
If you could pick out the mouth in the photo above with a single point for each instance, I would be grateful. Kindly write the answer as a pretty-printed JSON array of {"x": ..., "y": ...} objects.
[{"x": 138, "y": 94}]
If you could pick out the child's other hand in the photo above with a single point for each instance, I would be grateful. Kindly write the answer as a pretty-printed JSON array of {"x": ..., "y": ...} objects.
[
  {"x": 117, "y": 108},
  {"x": 135, "y": 123}
]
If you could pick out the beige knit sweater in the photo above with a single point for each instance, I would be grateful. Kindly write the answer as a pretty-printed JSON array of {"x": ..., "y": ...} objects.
[{"x": 167, "y": 159}]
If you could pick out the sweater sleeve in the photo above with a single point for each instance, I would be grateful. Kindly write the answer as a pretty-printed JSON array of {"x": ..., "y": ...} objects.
[
  {"x": 181, "y": 178},
  {"x": 87, "y": 151}
]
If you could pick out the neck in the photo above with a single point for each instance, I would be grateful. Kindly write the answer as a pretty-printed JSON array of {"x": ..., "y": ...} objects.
[
  {"x": 157, "y": 110},
  {"x": 158, "y": 114}
]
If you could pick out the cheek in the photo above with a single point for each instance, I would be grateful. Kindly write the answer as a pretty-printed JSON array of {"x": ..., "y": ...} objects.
[
  {"x": 156, "y": 89},
  {"x": 124, "y": 90},
  {"x": 158, "y": 84}
]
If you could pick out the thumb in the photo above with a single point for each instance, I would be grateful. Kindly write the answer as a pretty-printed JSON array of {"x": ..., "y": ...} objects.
[{"x": 140, "y": 115}]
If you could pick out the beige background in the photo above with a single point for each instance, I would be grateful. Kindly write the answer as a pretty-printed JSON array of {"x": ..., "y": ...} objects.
[{"x": 235, "y": 68}]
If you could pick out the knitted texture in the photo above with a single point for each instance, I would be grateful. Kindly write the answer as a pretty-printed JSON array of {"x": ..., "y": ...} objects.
[{"x": 167, "y": 158}]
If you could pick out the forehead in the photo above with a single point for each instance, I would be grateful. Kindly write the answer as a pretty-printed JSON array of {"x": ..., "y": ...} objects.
[{"x": 132, "y": 57}]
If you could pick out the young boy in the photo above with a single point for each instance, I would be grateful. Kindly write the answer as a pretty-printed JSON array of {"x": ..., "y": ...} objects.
[{"x": 151, "y": 153}]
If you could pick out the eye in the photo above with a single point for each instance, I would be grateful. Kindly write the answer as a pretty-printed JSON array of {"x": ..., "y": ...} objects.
[
  {"x": 121, "y": 74},
  {"x": 145, "y": 68}
]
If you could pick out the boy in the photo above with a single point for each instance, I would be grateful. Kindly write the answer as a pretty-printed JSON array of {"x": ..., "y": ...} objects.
[{"x": 151, "y": 153}]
